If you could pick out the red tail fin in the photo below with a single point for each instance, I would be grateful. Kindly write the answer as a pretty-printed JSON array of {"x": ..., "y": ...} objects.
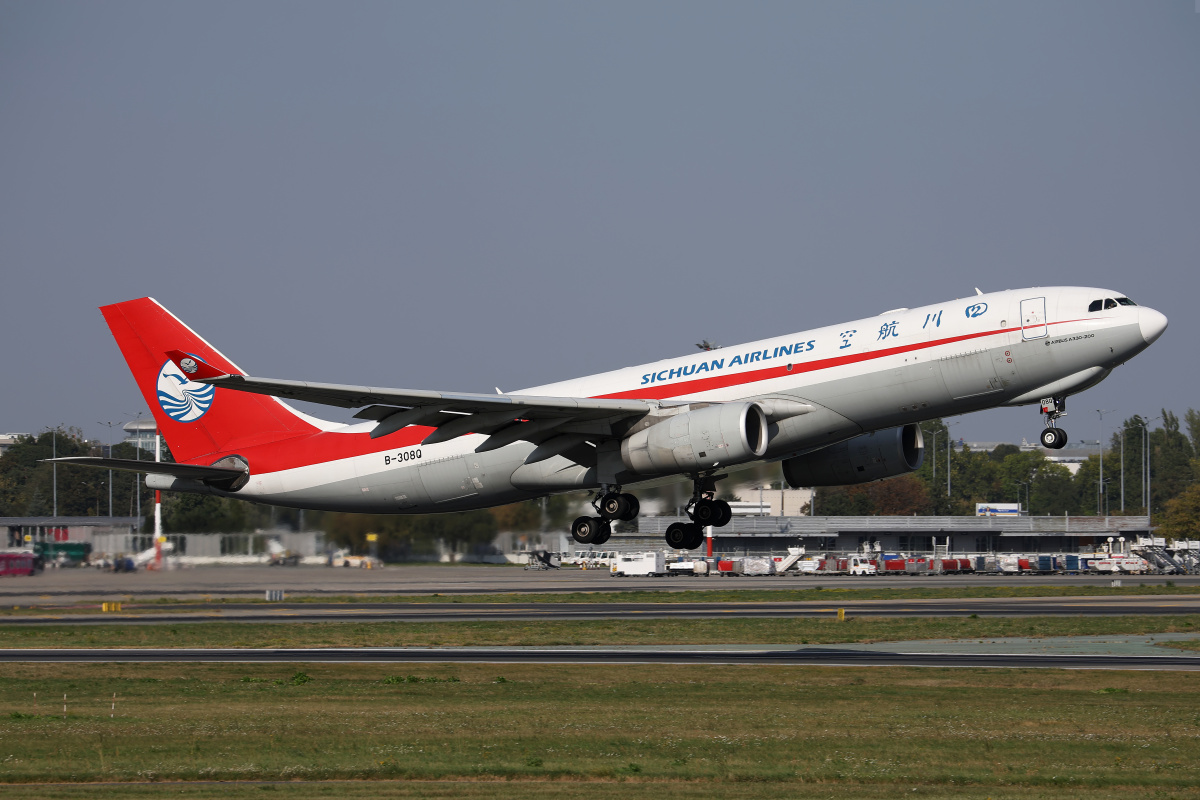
[{"x": 196, "y": 419}]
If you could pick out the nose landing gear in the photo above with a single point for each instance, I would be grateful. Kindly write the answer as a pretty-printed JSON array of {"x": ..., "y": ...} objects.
[{"x": 1053, "y": 437}]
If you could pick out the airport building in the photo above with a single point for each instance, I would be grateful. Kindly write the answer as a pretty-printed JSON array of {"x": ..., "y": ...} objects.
[{"x": 916, "y": 535}]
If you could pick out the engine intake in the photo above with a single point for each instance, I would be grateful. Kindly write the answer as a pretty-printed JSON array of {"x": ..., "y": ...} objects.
[
  {"x": 720, "y": 434},
  {"x": 865, "y": 458}
]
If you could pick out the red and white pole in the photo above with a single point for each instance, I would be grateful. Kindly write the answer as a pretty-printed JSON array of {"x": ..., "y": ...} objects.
[
  {"x": 708, "y": 535},
  {"x": 157, "y": 505}
]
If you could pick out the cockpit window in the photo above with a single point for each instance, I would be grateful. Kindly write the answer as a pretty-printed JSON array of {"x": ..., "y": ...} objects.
[
  {"x": 1125, "y": 301},
  {"x": 1110, "y": 303},
  {"x": 1096, "y": 305}
]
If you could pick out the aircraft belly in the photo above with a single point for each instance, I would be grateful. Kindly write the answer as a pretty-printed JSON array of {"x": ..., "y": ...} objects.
[
  {"x": 894, "y": 396},
  {"x": 818, "y": 428}
]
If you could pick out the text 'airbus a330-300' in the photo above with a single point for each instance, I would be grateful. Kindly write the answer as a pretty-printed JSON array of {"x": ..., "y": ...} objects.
[{"x": 836, "y": 405}]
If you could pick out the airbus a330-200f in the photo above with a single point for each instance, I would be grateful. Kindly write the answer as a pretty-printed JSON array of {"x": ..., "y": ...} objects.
[{"x": 836, "y": 405}]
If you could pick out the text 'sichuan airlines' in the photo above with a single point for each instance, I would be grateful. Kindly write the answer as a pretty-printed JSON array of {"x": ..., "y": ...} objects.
[{"x": 836, "y": 405}]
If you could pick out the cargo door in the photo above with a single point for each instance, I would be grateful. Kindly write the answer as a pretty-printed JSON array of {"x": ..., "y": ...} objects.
[
  {"x": 1033, "y": 318},
  {"x": 447, "y": 480},
  {"x": 970, "y": 374}
]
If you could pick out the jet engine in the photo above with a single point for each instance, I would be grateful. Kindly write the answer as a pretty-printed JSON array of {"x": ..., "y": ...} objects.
[
  {"x": 869, "y": 457},
  {"x": 698, "y": 439}
]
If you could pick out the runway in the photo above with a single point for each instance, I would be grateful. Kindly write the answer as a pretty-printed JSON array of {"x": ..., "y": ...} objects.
[
  {"x": 450, "y": 611},
  {"x": 808, "y": 656}
]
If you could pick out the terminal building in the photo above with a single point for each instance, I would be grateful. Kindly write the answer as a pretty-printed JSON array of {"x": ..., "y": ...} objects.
[{"x": 752, "y": 535}]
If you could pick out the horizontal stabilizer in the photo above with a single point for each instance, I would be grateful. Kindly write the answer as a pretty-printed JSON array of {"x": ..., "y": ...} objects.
[{"x": 211, "y": 475}]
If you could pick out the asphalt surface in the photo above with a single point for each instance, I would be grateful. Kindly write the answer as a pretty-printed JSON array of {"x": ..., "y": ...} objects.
[
  {"x": 461, "y": 612},
  {"x": 810, "y": 656},
  {"x": 88, "y": 584}
]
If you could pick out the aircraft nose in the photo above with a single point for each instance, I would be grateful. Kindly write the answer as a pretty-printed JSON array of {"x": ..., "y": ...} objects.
[{"x": 1152, "y": 324}]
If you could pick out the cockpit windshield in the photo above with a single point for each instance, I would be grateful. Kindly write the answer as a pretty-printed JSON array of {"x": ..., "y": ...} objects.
[{"x": 1108, "y": 302}]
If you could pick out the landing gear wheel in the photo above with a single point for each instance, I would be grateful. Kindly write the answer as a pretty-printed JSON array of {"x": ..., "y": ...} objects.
[
  {"x": 706, "y": 512},
  {"x": 725, "y": 516},
  {"x": 605, "y": 531},
  {"x": 696, "y": 539},
  {"x": 678, "y": 535},
  {"x": 1050, "y": 438},
  {"x": 634, "y": 508},
  {"x": 584, "y": 530},
  {"x": 1054, "y": 438},
  {"x": 614, "y": 506}
]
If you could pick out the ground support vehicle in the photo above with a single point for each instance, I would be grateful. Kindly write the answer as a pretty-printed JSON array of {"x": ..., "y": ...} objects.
[
  {"x": 650, "y": 564},
  {"x": 850, "y": 565},
  {"x": 1129, "y": 565},
  {"x": 342, "y": 558},
  {"x": 18, "y": 563},
  {"x": 687, "y": 566}
]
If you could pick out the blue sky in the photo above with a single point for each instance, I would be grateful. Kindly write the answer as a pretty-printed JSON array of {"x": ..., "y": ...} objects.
[{"x": 467, "y": 195}]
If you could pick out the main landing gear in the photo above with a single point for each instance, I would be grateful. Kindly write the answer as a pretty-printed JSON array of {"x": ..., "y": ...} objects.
[
  {"x": 1053, "y": 437},
  {"x": 704, "y": 510},
  {"x": 610, "y": 504}
]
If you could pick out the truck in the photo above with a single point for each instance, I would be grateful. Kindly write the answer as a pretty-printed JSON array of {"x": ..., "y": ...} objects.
[
  {"x": 62, "y": 554},
  {"x": 650, "y": 564},
  {"x": 849, "y": 565}
]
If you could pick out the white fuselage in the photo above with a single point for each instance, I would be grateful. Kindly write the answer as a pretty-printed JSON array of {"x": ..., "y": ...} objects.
[{"x": 902, "y": 366}]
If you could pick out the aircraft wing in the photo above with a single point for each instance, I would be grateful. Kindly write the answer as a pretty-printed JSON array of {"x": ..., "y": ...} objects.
[{"x": 506, "y": 417}]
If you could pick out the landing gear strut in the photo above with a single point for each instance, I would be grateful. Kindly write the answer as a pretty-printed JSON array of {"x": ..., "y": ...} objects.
[
  {"x": 703, "y": 510},
  {"x": 610, "y": 504},
  {"x": 1054, "y": 437}
]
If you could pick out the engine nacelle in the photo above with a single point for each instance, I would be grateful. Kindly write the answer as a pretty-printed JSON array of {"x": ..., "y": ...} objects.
[
  {"x": 720, "y": 434},
  {"x": 869, "y": 457}
]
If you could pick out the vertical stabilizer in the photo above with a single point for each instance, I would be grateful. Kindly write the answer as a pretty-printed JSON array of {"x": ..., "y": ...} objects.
[{"x": 197, "y": 419}]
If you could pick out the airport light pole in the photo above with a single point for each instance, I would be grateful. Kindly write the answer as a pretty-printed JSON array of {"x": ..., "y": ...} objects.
[
  {"x": 1146, "y": 485},
  {"x": 933, "y": 450},
  {"x": 1101, "y": 505},
  {"x": 137, "y": 477},
  {"x": 108, "y": 455},
  {"x": 1026, "y": 484},
  {"x": 948, "y": 440}
]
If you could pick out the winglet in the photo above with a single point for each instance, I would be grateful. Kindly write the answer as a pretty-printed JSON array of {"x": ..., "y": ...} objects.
[{"x": 193, "y": 367}]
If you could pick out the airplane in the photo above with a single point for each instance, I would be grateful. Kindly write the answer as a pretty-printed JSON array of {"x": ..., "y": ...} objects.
[{"x": 835, "y": 405}]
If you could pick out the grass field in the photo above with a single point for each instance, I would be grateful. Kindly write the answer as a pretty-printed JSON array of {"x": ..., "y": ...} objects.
[
  {"x": 663, "y": 593},
  {"x": 629, "y": 630},
  {"x": 620, "y": 731}
]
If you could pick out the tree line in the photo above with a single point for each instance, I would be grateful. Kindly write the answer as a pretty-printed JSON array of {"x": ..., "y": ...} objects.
[
  {"x": 1006, "y": 474},
  {"x": 1043, "y": 487}
]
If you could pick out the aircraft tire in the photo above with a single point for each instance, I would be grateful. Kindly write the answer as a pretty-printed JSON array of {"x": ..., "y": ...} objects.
[
  {"x": 696, "y": 539},
  {"x": 633, "y": 508},
  {"x": 603, "y": 533},
  {"x": 678, "y": 535},
  {"x": 1050, "y": 438},
  {"x": 584, "y": 529},
  {"x": 725, "y": 516},
  {"x": 706, "y": 512},
  {"x": 614, "y": 506}
]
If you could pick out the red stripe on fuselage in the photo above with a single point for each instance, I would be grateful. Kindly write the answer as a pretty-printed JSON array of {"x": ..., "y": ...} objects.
[{"x": 266, "y": 457}]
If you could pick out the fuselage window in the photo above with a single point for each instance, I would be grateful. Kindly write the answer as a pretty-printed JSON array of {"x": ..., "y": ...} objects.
[
  {"x": 1110, "y": 303},
  {"x": 1125, "y": 301},
  {"x": 1096, "y": 306}
]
